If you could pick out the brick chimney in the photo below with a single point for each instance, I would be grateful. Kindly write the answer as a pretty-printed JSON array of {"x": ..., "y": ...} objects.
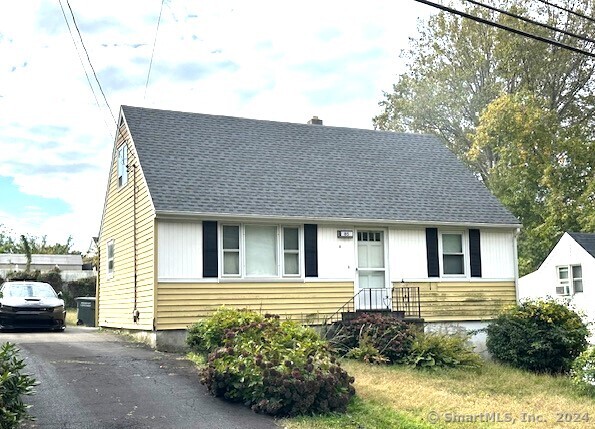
[{"x": 315, "y": 121}]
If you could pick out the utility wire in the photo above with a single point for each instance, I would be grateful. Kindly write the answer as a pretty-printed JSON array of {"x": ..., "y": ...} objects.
[
  {"x": 504, "y": 27},
  {"x": 90, "y": 63},
  {"x": 567, "y": 10},
  {"x": 153, "y": 51},
  {"x": 530, "y": 21},
  {"x": 82, "y": 63}
]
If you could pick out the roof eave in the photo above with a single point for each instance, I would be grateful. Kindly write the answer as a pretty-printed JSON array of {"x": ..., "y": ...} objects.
[{"x": 178, "y": 215}]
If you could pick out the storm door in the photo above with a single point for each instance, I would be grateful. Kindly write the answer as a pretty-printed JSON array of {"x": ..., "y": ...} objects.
[{"x": 371, "y": 282}]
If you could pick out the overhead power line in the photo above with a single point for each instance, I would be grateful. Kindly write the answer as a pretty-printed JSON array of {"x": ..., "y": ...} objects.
[
  {"x": 506, "y": 28},
  {"x": 82, "y": 63},
  {"x": 90, "y": 63},
  {"x": 153, "y": 51},
  {"x": 565, "y": 9},
  {"x": 530, "y": 21}
]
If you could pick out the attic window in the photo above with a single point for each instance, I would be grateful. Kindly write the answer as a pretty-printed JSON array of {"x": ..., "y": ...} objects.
[{"x": 122, "y": 165}]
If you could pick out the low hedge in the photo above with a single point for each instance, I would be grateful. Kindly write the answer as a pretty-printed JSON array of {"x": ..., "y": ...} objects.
[{"x": 276, "y": 367}]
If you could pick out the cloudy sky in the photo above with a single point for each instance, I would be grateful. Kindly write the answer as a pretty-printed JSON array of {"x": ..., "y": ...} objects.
[{"x": 277, "y": 60}]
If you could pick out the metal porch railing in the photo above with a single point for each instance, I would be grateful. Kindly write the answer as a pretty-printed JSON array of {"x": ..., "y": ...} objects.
[{"x": 403, "y": 300}]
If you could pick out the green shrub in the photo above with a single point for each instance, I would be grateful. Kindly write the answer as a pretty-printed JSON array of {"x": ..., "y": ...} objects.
[
  {"x": 391, "y": 337},
  {"x": 78, "y": 288},
  {"x": 583, "y": 370},
  {"x": 52, "y": 277},
  {"x": 13, "y": 385},
  {"x": 367, "y": 353},
  {"x": 443, "y": 350},
  {"x": 209, "y": 334},
  {"x": 22, "y": 275},
  {"x": 277, "y": 367},
  {"x": 539, "y": 336}
]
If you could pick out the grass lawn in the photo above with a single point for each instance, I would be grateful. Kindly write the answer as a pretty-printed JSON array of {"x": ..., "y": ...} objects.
[
  {"x": 71, "y": 317},
  {"x": 401, "y": 397}
]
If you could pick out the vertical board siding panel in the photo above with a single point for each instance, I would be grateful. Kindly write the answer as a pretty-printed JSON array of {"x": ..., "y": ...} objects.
[
  {"x": 497, "y": 254},
  {"x": 407, "y": 252},
  {"x": 336, "y": 256},
  {"x": 179, "y": 250}
]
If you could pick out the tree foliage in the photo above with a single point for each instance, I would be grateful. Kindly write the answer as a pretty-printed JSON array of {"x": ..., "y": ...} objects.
[
  {"x": 518, "y": 111},
  {"x": 29, "y": 244}
]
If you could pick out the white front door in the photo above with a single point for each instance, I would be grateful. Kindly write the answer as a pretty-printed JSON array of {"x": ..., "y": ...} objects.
[{"x": 373, "y": 294}]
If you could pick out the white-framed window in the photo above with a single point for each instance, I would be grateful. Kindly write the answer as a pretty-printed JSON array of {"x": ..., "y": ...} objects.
[
  {"x": 231, "y": 250},
  {"x": 110, "y": 259},
  {"x": 453, "y": 250},
  {"x": 260, "y": 251},
  {"x": 291, "y": 251},
  {"x": 122, "y": 165},
  {"x": 570, "y": 279}
]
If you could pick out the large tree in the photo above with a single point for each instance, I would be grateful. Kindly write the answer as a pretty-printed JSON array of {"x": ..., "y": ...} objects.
[
  {"x": 534, "y": 148},
  {"x": 540, "y": 170}
]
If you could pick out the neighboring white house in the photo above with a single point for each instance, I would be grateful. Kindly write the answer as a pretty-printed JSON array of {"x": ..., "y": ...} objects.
[
  {"x": 70, "y": 266},
  {"x": 568, "y": 272}
]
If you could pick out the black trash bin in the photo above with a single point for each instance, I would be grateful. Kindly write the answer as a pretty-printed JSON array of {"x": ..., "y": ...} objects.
[{"x": 85, "y": 310}]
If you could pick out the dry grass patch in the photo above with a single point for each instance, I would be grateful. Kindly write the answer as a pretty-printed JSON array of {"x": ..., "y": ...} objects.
[
  {"x": 71, "y": 318},
  {"x": 494, "y": 390}
]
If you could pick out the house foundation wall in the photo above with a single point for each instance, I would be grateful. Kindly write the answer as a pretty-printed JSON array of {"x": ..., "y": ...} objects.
[
  {"x": 164, "y": 341},
  {"x": 476, "y": 329}
]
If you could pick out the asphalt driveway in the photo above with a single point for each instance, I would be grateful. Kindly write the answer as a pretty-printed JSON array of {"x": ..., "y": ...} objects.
[{"x": 92, "y": 380}]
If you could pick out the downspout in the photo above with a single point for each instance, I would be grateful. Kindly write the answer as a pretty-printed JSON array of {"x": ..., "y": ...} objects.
[
  {"x": 135, "y": 312},
  {"x": 97, "y": 283}
]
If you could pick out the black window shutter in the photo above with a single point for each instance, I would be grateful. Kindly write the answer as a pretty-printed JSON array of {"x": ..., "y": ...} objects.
[
  {"x": 209, "y": 249},
  {"x": 311, "y": 249},
  {"x": 475, "y": 252},
  {"x": 432, "y": 252}
]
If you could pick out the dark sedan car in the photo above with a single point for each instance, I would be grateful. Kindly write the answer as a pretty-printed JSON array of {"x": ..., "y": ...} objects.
[{"x": 26, "y": 304}]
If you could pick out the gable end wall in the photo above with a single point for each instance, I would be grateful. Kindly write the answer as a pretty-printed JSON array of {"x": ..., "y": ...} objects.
[{"x": 116, "y": 295}]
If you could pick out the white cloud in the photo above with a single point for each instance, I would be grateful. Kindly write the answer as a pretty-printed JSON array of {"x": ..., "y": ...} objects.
[{"x": 274, "y": 60}]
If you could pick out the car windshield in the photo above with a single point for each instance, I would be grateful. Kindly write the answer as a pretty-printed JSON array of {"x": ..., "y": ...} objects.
[{"x": 28, "y": 290}]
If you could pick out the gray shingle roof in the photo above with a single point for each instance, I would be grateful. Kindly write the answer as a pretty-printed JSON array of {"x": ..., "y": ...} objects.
[
  {"x": 196, "y": 163},
  {"x": 586, "y": 240}
]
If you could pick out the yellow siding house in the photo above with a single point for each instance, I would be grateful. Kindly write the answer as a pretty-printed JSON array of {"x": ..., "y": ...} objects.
[{"x": 303, "y": 220}]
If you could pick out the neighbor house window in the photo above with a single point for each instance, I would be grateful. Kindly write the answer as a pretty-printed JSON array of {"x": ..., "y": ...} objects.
[
  {"x": 570, "y": 279},
  {"x": 260, "y": 251},
  {"x": 453, "y": 254},
  {"x": 110, "y": 258},
  {"x": 122, "y": 165}
]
